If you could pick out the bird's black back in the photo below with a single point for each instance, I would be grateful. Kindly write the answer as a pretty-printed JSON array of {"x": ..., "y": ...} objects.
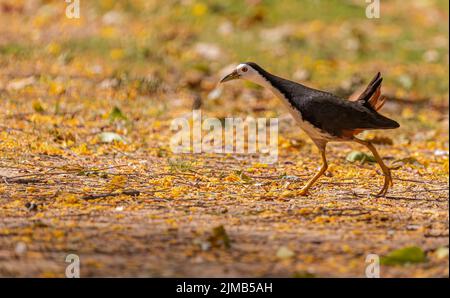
[{"x": 327, "y": 111}]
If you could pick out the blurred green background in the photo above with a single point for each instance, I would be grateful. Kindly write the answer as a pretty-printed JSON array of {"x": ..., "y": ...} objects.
[{"x": 321, "y": 42}]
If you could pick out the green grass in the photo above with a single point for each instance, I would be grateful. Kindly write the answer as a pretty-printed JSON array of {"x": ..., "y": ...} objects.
[
  {"x": 318, "y": 43},
  {"x": 16, "y": 50}
]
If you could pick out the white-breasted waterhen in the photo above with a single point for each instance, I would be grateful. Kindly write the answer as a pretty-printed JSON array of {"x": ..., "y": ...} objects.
[{"x": 326, "y": 117}]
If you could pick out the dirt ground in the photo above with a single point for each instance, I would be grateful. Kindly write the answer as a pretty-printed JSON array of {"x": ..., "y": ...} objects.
[{"x": 167, "y": 230}]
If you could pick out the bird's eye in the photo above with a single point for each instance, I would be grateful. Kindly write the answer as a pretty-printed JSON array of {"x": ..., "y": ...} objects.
[{"x": 244, "y": 69}]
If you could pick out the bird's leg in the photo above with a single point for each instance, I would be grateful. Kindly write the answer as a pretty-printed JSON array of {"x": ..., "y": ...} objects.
[
  {"x": 322, "y": 170},
  {"x": 386, "y": 171}
]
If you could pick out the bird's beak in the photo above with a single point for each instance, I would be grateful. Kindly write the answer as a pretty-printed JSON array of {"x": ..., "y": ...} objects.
[{"x": 232, "y": 76}]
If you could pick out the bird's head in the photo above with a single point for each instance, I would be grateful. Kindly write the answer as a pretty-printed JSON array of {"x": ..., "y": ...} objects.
[{"x": 248, "y": 71}]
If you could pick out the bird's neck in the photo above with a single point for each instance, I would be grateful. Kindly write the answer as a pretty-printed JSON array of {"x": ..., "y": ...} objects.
[
  {"x": 282, "y": 88},
  {"x": 266, "y": 81}
]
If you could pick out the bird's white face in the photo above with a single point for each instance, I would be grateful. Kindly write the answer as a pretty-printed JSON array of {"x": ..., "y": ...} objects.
[
  {"x": 242, "y": 71},
  {"x": 246, "y": 71}
]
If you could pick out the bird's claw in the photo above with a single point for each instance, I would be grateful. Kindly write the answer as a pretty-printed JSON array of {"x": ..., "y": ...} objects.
[
  {"x": 294, "y": 193},
  {"x": 302, "y": 192},
  {"x": 382, "y": 192},
  {"x": 387, "y": 182}
]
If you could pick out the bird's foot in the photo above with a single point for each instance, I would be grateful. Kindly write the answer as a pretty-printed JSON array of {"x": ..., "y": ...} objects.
[
  {"x": 294, "y": 193},
  {"x": 382, "y": 192},
  {"x": 391, "y": 183},
  {"x": 387, "y": 183},
  {"x": 302, "y": 192}
]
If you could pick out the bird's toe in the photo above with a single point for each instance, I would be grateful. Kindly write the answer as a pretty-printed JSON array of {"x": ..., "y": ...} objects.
[
  {"x": 383, "y": 191},
  {"x": 294, "y": 193},
  {"x": 302, "y": 192}
]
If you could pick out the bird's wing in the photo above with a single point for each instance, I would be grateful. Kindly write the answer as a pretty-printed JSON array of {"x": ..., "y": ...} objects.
[
  {"x": 336, "y": 115},
  {"x": 371, "y": 97}
]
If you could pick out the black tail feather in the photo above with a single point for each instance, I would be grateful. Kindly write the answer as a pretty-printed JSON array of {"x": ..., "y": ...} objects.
[{"x": 371, "y": 88}]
